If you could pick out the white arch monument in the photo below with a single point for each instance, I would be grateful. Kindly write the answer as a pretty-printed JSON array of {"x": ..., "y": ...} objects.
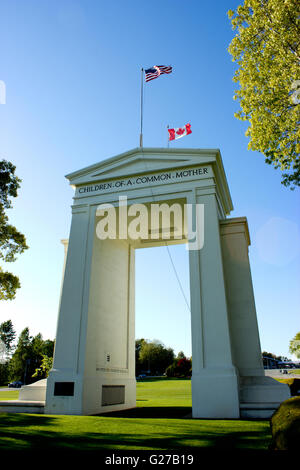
[{"x": 94, "y": 361}]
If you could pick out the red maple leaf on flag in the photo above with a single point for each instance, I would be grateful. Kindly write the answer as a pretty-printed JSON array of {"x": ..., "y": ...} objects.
[
  {"x": 188, "y": 129},
  {"x": 171, "y": 134},
  {"x": 180, "y": 131}
]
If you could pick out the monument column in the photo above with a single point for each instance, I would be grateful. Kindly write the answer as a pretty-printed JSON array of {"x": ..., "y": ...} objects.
[
  {"x": 259, "y": 395},
  {"x": 214, "y": 380},
  {"x": 240, "y": 297},
  {"x": 64, "y": 385}
]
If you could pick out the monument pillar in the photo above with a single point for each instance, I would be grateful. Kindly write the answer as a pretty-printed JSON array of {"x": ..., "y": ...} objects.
[
  {"x": 259, "y": 395},
  {"x": 240, "y": 297},
  {"x": 65, "y": 381},
  {"x": 214, "y": 380},
  {"x": 94, "y": 358}
]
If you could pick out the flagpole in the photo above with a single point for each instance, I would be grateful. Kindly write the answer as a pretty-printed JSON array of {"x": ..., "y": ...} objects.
[
  {"x": 168, "y": 144},
  {"x": 142, "y": 99}
]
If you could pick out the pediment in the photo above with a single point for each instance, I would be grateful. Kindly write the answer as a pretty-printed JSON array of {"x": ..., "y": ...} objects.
[
  {"x": 141, "y": 161},
  {"x": 139, "y": 165}
]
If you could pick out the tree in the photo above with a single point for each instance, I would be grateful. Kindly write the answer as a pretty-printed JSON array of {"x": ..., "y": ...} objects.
[
  {"x": 268, "y": 354},
  {"x": 46, "y": 365},
  {"x": 3, "y": 352},
  {"x": 138, "y": 365},
  {"x": 180, "y": 355},
  {"x": 17, "y": 365},
  {"x": 181, "y": 367},
  {"x": 267, "y": 51},
  {"x": 155, "y": 357},
  {"x": 3, "y": 364},
  {"x": 7, "y": 337},
  {"x": 12, "y": 242},
  {"x": 295, "y": 345},
  {"x": 7, "y": 334},
  {"x": 28, "y": 356}
]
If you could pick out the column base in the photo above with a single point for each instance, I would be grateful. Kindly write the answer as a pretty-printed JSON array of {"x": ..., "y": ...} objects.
[
  {"x": 108, "y": 392},
  {"x": 260, "y": 396},
  {"x": 215, "y": 394},
  {"x": 69, "y": 394},
  {"x": 64, "y": 393}
]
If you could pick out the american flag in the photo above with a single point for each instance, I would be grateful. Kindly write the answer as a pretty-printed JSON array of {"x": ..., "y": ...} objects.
[{"x": 156, "y": 71}]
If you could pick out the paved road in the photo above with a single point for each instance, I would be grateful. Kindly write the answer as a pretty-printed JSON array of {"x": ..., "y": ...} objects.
[
  {"x": 276, "y": 373},
  {"x": 6, "y": 389}
]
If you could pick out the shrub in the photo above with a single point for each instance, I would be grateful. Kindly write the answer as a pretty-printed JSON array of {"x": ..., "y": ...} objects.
[
  {"x": 285, "y": 425},
  {"x": 181, "y": 367},
  {"x": 294, "y": 385}
]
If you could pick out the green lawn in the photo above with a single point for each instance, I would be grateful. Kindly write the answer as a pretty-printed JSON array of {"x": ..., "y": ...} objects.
[
  {"x": 9, "y": 395},
  {"x": 161, "y": 421}
]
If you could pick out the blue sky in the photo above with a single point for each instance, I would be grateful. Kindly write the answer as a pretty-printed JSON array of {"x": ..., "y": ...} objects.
[{"x": 72, "y": 75}]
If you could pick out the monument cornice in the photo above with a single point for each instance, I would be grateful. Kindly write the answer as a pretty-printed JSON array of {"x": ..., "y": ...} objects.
[
  {"x": 235, "y": 225},
  {"x": 142, "y": 161}
]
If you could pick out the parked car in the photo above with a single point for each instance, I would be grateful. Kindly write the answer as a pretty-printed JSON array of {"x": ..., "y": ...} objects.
[{"x": 16, "y": 384}]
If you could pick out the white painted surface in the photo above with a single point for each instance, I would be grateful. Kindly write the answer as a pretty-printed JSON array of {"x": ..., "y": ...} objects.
[
  {"x": 96, "y": 317},
  {"x": 34, "y": 392}
]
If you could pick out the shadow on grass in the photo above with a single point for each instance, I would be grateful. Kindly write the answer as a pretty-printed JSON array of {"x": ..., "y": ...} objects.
[
  {"x": 38, "y": 432},
  {"x": 162, "y": 412}
]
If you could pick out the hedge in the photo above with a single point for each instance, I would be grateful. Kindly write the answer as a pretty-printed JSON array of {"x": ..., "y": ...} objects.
[
  {"x": 293, "y": 383},
  {"x": 285, "y": 425}
]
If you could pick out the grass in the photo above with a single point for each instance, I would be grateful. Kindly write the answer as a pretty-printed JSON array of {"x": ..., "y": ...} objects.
[
  {"x": 160, "y": 422},
  {"x": 285, "y": 381},
  {"x": 9, "y": 395}
]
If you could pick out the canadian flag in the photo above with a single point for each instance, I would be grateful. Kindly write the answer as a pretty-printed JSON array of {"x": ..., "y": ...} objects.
[{"x": 179, "y": 132}]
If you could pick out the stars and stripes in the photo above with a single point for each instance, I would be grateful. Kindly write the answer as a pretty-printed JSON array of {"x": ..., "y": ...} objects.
[
  {"x": 156, "y": 71},
  {"x": 151, "y": 74}
]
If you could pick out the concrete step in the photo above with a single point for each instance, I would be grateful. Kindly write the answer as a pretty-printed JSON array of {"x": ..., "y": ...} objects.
[
  {"x": 22, "y": 406},
  {"x": 258, "y": 410}
]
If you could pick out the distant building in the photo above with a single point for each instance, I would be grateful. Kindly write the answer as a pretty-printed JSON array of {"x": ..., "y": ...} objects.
[{"x": 270, "y": 363}]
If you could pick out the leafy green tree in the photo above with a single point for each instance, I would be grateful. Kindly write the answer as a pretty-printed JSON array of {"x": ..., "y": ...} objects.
[
  {"x": 294, "y": 347},
  {"x": 28, "y": 356},
  {"x": 180, "y": 355},
  {"x": 48, "y": 347},
  {"x": 3, "y": 352},
  {"x": 12, "y": 242},
  {"x": 155, "y": 357},
  {"x": 18, "y": 362},
  {"x": 268, "y": 354},
  {"x": 46, "y": 365},
  {"x": 181, "y": 367},
  {"x": 4, "y": 373},
  {"x": 7, "y": 337},
  {"x": 7, "y": 334},
  {"x": 138, "y": 346},
  {"x": 266, "y": 49}
]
